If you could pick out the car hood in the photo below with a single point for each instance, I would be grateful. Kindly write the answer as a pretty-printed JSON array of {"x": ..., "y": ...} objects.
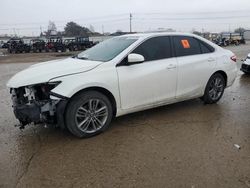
[{"x": 43, "y": 72}]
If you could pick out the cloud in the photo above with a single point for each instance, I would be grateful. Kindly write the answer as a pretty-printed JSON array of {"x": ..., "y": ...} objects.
[{"x": 28, "y": 15}]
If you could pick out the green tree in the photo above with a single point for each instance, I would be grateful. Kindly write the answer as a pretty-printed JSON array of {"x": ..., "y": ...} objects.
[
  {"x": 73, "y": 29},
  {"x": 240, "y": 30}
]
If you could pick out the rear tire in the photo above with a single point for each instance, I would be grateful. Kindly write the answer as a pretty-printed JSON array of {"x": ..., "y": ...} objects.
[
  {"x": 88, "y": 114},
  {"x": 214, "y": 89}
]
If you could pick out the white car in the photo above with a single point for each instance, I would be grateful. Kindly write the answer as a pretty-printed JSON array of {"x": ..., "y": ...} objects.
[
  {"x": 245, "y": 67},
  {"x": 121, "y": 75}
]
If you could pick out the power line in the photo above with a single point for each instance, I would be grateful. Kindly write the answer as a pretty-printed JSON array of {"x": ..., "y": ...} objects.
[
  {"x": 62, "y": 26},
  {"x": 193, "y": 18},
  {"x": 193, "y": 13},
  {"x": 140, "y": 17},
  {"x": 107, "y": 17},
  {"x": 123, "y": 15}
]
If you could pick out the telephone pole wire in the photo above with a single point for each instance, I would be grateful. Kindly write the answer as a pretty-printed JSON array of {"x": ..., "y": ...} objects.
[{"x": 130, "y": 22}]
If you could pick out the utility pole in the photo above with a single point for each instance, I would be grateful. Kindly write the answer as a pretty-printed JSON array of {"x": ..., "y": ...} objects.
[
  {"x": 14, "y": 31},
  {"x": 41, "y": 30},
  {"x": 102, "y": 29},
  {"x": 130, "y": 22}
]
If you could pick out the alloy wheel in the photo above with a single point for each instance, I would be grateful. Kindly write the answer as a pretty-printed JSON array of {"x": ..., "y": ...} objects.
[
  {"x": 91, "y": 116},
  {"x": 216, "y": 88}
]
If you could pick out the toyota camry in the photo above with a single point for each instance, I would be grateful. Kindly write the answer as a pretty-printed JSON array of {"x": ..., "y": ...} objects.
[{"x": 121, "y": 75}]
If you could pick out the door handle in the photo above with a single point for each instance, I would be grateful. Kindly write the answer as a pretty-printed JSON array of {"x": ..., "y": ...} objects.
[
  {"x": 171, "y": 66},
  {"x": 211, "y": 59}
]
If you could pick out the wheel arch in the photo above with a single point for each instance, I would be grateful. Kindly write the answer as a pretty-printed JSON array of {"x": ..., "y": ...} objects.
[
  {"x": 104, "y": 91},
  {"x": 223, "y": 73},
  {"x": 205, "y": 97}
]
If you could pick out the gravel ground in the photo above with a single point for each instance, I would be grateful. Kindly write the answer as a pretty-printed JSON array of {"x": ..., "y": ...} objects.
[{"x": 187, "y": 144}]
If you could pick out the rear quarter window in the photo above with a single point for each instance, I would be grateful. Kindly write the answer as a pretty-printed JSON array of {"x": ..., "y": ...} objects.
[{"x": 205, "y": 48}]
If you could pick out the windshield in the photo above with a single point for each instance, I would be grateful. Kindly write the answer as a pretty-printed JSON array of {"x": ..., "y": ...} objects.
[{"x": 107, "y": 50}]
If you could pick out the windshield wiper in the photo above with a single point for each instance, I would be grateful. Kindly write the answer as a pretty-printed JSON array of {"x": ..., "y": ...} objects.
[
  {"x": 76, "y": 56},
  {"x": 83, "y": 58}
]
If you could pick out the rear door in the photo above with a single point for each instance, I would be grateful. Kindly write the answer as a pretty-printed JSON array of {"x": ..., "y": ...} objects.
[{"x": 196, "y": 63}]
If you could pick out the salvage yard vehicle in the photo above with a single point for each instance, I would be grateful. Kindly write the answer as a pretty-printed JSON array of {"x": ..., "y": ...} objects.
[
  {"x": 84, "y": 42},
  {"x": 55, "y": 44},
  {"x": 119, "y": 76},
  {"x": 70, "y": 44},
  {"x": 5, "y": 45},
  {"x": 17, "y": 45},
  {"x": 1, "y": 44},
  {"x": 226, "y": 39},
  {"x": 37, "y": 45},
  {"x": 78, "y": 43},
  {"x": 245, "y": 67}
]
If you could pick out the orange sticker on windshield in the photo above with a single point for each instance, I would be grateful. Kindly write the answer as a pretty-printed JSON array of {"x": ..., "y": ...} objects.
[{"x": 185, "y": 44}]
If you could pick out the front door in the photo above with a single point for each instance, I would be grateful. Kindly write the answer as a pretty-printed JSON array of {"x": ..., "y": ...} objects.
[{"x": 150, "y": 82}]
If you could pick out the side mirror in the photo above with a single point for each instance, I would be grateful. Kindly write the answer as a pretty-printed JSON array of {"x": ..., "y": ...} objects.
[{"x": 135, "y": 58}]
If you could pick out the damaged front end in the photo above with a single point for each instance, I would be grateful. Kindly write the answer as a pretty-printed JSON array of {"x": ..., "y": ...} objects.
[{"x": 37, "y": 104}]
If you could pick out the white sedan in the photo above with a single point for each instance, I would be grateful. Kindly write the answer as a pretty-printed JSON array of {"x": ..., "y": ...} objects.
[{"x": 121, "y": 75}]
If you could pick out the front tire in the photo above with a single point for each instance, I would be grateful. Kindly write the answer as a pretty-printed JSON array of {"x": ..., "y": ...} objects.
[
  {"x": 214, "y": 89},
  {"x": 88, "y": 114}
]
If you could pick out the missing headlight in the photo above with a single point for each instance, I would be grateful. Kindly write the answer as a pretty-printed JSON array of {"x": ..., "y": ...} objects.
[{"x": 43, "y": 90}]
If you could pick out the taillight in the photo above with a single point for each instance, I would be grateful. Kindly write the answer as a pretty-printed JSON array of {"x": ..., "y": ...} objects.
[{"x": 234, "y": 58}]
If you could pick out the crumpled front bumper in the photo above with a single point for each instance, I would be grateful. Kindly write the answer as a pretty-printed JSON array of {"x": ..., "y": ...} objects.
[
  {"x": 34, "y": 113},
  {"x": 28, "y": 108},
  {"x": 27, "y": 113}
]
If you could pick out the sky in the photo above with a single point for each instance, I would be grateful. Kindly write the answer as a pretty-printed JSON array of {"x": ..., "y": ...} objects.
[{"x": 29, "y": 17}]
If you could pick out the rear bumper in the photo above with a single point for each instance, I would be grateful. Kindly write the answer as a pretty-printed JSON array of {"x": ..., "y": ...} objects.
[
  {"x": 231, "y": 76},
  {"x": 245, "y": 68}
]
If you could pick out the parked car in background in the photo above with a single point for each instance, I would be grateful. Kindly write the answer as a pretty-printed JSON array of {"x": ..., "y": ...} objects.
[
  {"x": 5, "y": 45},
  {"x": 1, "y": 44},
  {"x": 121, "y": 75},
  {"x": 17, "y": 45},
  {"x": 245, "y": 67},
  {"x": 70, "y": 44},
  {"x": 55, "y": 44},
  {"x": 38, "y": 45},
  {"x": 226, "y": 39},
  {"x": 78, "y": 43}
]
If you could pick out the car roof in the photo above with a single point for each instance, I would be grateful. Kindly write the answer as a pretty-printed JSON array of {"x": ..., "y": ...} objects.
[
  {"x": 143, "y": 36},
  {"x": 147, "y": 35}
]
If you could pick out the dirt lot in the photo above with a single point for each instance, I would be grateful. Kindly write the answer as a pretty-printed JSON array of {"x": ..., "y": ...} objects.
[{"x": 182, "y": 145}]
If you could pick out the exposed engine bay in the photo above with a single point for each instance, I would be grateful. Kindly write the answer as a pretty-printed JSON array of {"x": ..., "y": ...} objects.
[{"x": 33, "y": 104}]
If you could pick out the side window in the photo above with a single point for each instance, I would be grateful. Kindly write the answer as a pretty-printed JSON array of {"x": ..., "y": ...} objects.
[
  {"x": 206, "y": 48},
  {"x": 185, "y": 46},
  {"x": 155, "y": 48}
]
